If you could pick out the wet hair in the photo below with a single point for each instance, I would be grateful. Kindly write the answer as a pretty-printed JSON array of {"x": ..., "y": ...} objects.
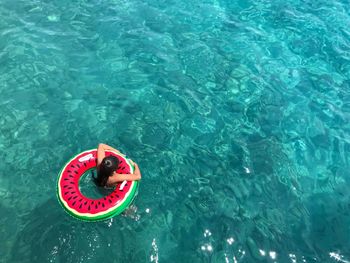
[{"x": 108, "y": 165}]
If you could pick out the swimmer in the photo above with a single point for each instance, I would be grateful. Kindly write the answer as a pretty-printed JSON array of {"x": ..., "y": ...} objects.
[{"x": 107, "y": 166}]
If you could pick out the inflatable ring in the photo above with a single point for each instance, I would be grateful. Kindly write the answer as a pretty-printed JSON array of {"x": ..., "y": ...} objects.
[{"x": 82, "y": 207}]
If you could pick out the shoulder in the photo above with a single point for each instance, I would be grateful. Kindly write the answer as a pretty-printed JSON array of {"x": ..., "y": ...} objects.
[
  {"x": 114, "y": 179},
  {"x": 111, "y": 181}
]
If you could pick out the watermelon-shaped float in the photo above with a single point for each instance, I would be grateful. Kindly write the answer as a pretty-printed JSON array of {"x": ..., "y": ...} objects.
[{"x": 82, "y": 207}]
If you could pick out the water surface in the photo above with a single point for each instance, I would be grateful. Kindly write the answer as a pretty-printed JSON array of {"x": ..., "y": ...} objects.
[{"x": 236, "y": 111}]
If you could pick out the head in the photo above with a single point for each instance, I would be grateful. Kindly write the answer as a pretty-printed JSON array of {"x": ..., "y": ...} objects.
[{"x": 108, "y": 165}]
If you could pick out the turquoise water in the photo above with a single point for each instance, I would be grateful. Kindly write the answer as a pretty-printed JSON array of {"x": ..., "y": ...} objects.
[{"x": 236, "y": 111}]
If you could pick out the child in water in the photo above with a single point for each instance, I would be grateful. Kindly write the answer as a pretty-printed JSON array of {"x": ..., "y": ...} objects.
[{"x": 107, "y": 166}]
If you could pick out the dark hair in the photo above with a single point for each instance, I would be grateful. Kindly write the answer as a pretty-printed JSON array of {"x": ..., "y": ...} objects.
[{"x": 108, "y": 165}]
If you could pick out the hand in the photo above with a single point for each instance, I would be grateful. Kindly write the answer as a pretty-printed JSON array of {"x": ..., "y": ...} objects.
[{"x": 106, "y": 147}]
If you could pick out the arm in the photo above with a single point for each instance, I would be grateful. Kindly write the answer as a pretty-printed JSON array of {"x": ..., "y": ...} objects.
[
  {"x": 106, "y": 147},
  {"x": 101, "y": 152},
  {"x": 116, "y": 178}
]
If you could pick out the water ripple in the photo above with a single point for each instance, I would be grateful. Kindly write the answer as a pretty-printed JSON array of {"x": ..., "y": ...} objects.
[{"x": 237, "y": 113}]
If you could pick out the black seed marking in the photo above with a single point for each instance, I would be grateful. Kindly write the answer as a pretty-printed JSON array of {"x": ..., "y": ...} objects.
[
  {"x": 66, "y": 179},
  {"x": 75, "y": 197},
  {"x": 73, "y": 203},
  {"x": 73, "y": 192},
  {"x": 103, "y": 205},
  {"x": 95, "y": 206},
  {"x": 70, "y": 187},
  {"x": 66, "y": 193},
  {"x": 110, "y": 201},
  {"x": 99, "y": 202},
  {"x": 85, "y": 164},
  {"x": 80, "y": 206},
  {"x": 85, "y": 203},
  {"x": 117, "y": 196},
  {"x": 81, "y": 199},
  {"x": 76, "y": 172},
  {"x": 89, "y": 208},
  {"x": 112, "y": 196},
  {"x": 92, "y": 202},
  {"x": 78, "y": 165},
  {"x": 72, "y": 166},
  {"x": 71, "y": 176},
  {"x": 69, "y": 198},
  {"x": 71, "y": 182},
  {"x": 104, "y": 198},
  {"x": 65, "y": 186}
]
